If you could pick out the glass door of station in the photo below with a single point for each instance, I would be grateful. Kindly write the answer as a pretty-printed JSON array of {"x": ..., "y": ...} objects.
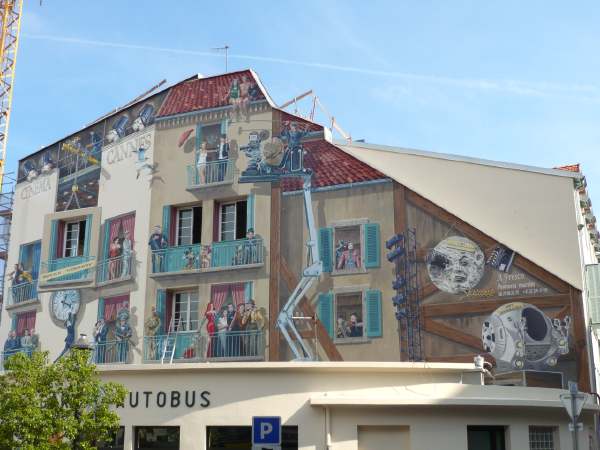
[
  {"x": 240, "y": 438},
  {"x": 156, "y": 438}
]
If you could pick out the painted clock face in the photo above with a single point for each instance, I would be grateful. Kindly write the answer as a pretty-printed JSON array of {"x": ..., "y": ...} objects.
[{"x": 63, "y": 303}]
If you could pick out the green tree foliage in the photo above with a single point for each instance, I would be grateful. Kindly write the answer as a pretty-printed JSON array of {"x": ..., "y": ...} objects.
[{"x": 63, "y": 405}]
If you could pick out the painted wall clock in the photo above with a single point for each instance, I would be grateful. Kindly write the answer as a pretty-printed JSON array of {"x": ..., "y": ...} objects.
[{"x": 64, "y": 303}]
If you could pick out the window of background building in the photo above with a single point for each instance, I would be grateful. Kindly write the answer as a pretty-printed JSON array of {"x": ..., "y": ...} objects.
[
  {"x": 116, "y": 443},
  {"x": 486, "y": 437},
  {"x": 240, "y": 438},
  {"x": 189, "y": 225},
  {"x": 541, "y": 438},
  {"x": 348, "y": 249},
  {"x": 185, "y": 310},
  {"x": 74, "y": 238},
  {"x": 349, "y": 314},
  {"x": 232, "y": 220},
  {"x": 151, "y": 438}
]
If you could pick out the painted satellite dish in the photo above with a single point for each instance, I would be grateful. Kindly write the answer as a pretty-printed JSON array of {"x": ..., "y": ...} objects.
[{"x": 455, "y": 265}]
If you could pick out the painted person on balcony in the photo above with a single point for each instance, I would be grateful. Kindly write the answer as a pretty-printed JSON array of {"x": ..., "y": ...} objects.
[
  {"x": 222, "y": 327},
  {"x": 26, "y": 343},
  {"x": 100, "y": 332},
  {"x": 255, "y": 323},
  {"x": 157, "y": 242},
  {"x": 151, "y": 328},
  {"x": 210, "y": 314},
  {"x": 201, "y": 160},
  {"x": 190, "y": 259},
  {"x": 35, "y": 340},
  {"x": 245, "y": 98},
  {"x": 349, "y": 258},
  {"x": 127, "y": 249},
  {"x": 205, "y": 256},
  {"x": 123, "y": 333},
  {"x": 250, "y": 247},
  {"x": 354, "y": 328},
  {"x": 223, "y": 156},
  {"x": 114, "y": 252},
  {"x": 12, "y": 344},
  {"x": 236, "y": 331}
]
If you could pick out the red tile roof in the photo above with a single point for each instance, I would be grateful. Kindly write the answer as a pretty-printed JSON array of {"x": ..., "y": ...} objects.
[
  {"x": 569, "y": 168},
  {"x": 331, "y": 166},
  {"x": 287, "y": 117},
  {"x": 203, "y": 93}
]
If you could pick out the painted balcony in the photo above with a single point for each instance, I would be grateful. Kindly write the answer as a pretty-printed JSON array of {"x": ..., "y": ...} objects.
[
  {"x": 114, "y": 270},
  {"x": 194, "y": 347},
  {"x": 8, "y": 353},
  {"x": 22, "y": 292},
  {"x": 225, "y": 255},
  {"x": 112, "y": 352},
  {"x": 212, "y": 173},
  {"x": 67, "y": 270}
]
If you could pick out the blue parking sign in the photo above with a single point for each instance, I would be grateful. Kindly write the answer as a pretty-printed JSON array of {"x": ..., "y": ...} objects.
[{"x": 266, "y": 430}]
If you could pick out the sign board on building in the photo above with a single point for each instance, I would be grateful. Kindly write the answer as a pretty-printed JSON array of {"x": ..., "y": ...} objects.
[{"x": 266, "y": 432}]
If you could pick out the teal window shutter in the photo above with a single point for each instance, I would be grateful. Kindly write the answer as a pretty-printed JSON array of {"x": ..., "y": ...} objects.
[
  {"x": 13, "y": 323},
  {"x": 326, "y": 248},
  {"x": 166, "y": 221},
  {"x": 593, "y": 288},
  {"x": 53, "y": 237},
  {"x": 161, "y": 309},
  {"x": 100, "y": 308},
  {"x": 248, "y": 291},
  {"x": 22, "y": 253},
  {"x": 250, "y": 211},
  {"x": 374, "y": 320},
  {"x": 198, "y": 137},
  {"x": 372, "y": 245},
  {"x": 325, "y": 311},
  {"x": 224, "y": 126},
  {"x": 88, "y": 234},
  {"x": 106, "y": 239}
]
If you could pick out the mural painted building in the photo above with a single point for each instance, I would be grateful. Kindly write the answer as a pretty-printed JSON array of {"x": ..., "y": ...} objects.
[{"x": 176, "y": 230}]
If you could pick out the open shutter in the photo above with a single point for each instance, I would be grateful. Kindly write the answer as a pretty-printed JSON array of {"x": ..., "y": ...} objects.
[
  {"x": 100, "y": 308},
  {"x": 35, "y": 267},
  {"x": 325, "y": 311},
  {"x": 53, "y": 236},
  {"x": 373, "y": 309},
  {"x": 198, "y": 141},
  {"x": 593, "y": 288},
  {"x": 326, "y": 247},
  {"x": 166, "y": 221},
  {"x": 161, "y": 309},
  {"x": 250, "y": 212},
  {"x": 372, "y": 245},
  {"x": 106, "y": 239},
  {"x": 13, "y": 323},
  {"x": 88, "y": 234}
]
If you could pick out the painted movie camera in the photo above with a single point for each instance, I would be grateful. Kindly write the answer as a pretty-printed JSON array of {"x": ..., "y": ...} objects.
[{"x": 521, "y": 337}]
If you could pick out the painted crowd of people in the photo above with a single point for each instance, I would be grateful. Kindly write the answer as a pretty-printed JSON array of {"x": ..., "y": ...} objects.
[
  {"x": 119, "y": 254},
  {"x": 27, "y": 342}
]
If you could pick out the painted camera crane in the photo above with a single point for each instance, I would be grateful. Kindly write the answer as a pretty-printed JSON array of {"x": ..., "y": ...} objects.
[{"x": 312, "y": 272}]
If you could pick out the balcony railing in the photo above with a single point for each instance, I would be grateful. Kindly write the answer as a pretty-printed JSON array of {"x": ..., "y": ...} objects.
[
  {"x": 22, "y": 292},
  {"x": 67, "y": 269},
  {"x": 217, "y": 256},
  {"x": 8, "y": 353},
  {"x": 111, "y": 352},
  {"x": 192, "y": 346},
  {"x": 114, "y": 269},
  {"x": 210, "y": 174}
]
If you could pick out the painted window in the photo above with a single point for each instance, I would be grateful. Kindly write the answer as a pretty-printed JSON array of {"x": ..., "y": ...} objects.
[
  {"x": 542, "y": 438},
  {"x": 350, "y": 247},
  {"x": 74, "y": 241},
  {"x": 224, "y": 437},
  {"x": 233, "y": 220},
  {"x": 25, "y": 321},
  {"x": 185, "y": 311},
  {"x": 486, "y": 438},
  {"x": 189, "y": 225},
  {"x": 150, "y": 438},
  {"x": 351, "y": 315},
  {"x": 29, "y": 258}
]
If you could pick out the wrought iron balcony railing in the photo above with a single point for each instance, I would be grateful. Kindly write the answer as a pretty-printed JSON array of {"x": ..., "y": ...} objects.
[
  {"x": 22, "y": 292},
  {"x": 192, "y": 346},
  {"x": 114, "y": 269},
  {"x": 217, "y": 256},
  {"x": 111, "y": 352},
  {"x": 210, "y": 174}
]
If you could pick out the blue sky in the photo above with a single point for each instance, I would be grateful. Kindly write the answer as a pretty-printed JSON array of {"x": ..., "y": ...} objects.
[{"x": 513, "y": 81}]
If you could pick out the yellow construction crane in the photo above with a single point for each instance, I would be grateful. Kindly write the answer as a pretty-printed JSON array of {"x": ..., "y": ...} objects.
[{"x": 11, "y": 12}]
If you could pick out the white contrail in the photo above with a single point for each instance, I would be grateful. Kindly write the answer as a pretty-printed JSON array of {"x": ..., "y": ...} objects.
[{"x": 586, "y": 92}]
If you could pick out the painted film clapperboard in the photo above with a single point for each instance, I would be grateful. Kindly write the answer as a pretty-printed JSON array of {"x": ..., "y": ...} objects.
[{"x": 266, "y": 433}]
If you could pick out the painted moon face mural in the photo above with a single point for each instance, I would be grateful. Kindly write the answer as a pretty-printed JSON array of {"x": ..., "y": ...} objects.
[
  {"x": 455, "y": 265},
  {"x": 63, "y": 303}
]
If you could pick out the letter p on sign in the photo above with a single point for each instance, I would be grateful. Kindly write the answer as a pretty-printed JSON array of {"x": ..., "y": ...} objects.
[{"x": 266, "y": 430}]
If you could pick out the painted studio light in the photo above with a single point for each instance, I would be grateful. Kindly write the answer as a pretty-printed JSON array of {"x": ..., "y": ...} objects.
[{"x": 394, "y": 240}]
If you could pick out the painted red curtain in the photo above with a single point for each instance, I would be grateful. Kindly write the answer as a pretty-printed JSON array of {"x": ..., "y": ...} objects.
[
  {"x": 238, "y": 292},
  {"x": 218, "y": 294},
  {"x": 113, "y": 305},
  {"x": 60, "y": 239},
  {"x": 25, "y": 321},
  {"x": 128, "y": 223},
  {"x": 114, "y": 231}
]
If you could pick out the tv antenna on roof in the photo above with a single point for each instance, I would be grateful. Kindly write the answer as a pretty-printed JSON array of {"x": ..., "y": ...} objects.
[{"x": 225, "y": 49}]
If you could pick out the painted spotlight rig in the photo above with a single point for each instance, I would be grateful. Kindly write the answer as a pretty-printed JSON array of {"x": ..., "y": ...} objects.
[{"x": 403, "y": 254}]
